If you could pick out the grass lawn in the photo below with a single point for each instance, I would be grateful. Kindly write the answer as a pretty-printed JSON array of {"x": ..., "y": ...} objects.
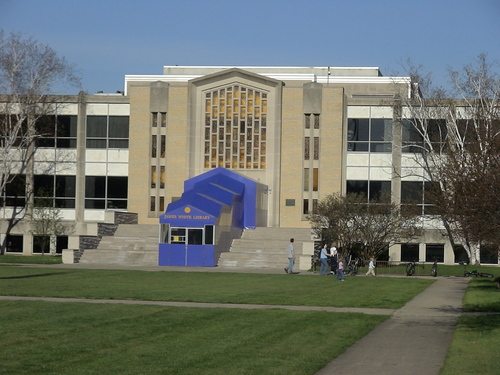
[
  {"x": 482, "y": 295},
  {"x": 72, "y": 338},
  {"x": 210, "y": 287},
  {"x": 31, "y": 259},
  {"x": 476, "y": 341}
]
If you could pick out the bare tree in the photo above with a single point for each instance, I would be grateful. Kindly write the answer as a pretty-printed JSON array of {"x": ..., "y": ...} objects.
[
  {"x": 357, "y": 227},
  {"x": 456, "y": 146},
  {"x": 47, "y": 222},
  {"x": 28, "y": 72}
]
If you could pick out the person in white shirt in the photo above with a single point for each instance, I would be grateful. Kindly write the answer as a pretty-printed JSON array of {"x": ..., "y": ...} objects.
[
  {"x": 371, "y": 267},
  {"x": 334, "y": 260},
  {"x": 291, "y": 257}
]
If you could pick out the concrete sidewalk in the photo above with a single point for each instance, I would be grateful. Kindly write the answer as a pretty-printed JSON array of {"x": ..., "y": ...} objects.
[{"x": 414, "y": 340}]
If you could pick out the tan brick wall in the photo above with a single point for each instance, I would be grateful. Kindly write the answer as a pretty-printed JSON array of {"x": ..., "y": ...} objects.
[
  {"x": 177, "y": 142},
  {"x": 331, "y": 144},
  {"x": 139, "y": 160},
  {"x": 291, "y": 157}
]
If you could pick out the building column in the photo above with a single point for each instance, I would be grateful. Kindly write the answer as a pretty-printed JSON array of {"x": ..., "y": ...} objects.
[{"x": 80, "y": 160}]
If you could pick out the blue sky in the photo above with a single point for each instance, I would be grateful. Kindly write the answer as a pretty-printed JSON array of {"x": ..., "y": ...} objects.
[{"x": 107, "y": 39}]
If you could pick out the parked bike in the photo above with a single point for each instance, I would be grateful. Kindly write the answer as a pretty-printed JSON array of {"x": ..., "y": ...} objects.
[
  {"x": 434, "y": 269},
  {"x": 475, "y": 273},
  {"x": 352, "y": 267},
  {"x": 410, "y": 269}
]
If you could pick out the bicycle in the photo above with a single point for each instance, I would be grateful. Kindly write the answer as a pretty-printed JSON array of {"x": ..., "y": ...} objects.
[
  {"x": 352, "y": 267},
  {"x": 410, "y": 268},
  {"x": 475, "y": 273},
  {"x": 434, "y": 269}
]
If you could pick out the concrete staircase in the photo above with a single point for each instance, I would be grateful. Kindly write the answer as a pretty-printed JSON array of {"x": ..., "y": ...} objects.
[
  {"x": 264, "y": 248},
  {"x": 132, "y": 244}
]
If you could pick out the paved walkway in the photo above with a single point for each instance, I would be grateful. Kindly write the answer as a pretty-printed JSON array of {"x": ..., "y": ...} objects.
[{"x": 414, "y": 340}]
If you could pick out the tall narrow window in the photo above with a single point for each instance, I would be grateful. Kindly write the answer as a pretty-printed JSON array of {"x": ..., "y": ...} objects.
[
  {"x": 152, "y": 204},
  {"x": 153, "y": 146},
  {"x": 158, "y": 131},
  {"x": 162, "y": 204},
  {"x": 307, "y": 121},
  {"x": 307, "y": 141},
  {"x": 162, "y": 177},
  {"x": 306, "y": 179},
  {"x": 162, "y": 146},
  {"x": 315, "y": 179},
  {"x": 316, "y": 121},
  {"x": 311, "y": 161},
  {"x": 316, "y": 148},
  {"x": 153, "y": 177}
]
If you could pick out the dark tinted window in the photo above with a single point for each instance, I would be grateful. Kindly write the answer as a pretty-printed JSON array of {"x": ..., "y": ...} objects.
[
  {"x": 95, "y": 187},
  {"x": 97, "y": 126},
  {"x": 434, "y": 252},
  {"x": 409, "y": 252}
]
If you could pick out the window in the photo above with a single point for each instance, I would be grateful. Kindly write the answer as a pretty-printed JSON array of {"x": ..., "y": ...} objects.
[
  {"x": 118, "y": 131},
  {"x": 41, "y": 244},
  {"x": 418, "y": 197},
  {"x": 373, "y": 135},
  {"x": 61, "y": 244},
  {"x": 415, "y": 129},
  {"x": 15, "y": 191},
  {"x": 316, "y": 148},
  {"x": 409, "y": 252},
  {"x": 235, "y": 128},
  {"x": 66, "y": 130},
  {"x": 379, "y": 191},
  {"x": 374, "y": 191},
  {"x": 107, "y": 132},
  {"x": 117, "y": 191},
  {"x": 460, "y": 254},
  {"x": 315, "y": 181},
  {"x": 55, "y": 191},
  {"x": 488, "y": 254},
  {"x": 209, "y": 234},
  {"x": 103, "y": 192},
  {"x": 45, "y": 127},
  {"x": 157, "y": 174},
  {"x": 96, "y": 131},
  {"x": 14, "y": 243},
  {"x": 412, "y": 140},
  {"x": 357, "y": 187},
  {"x": 434, "y": 252},
  {"x": 305, "y": 206}
]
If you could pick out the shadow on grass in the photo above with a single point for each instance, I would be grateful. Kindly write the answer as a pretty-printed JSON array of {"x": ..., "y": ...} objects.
[
  {"x": 480, "y": 323},
  {"x": 31, "y": 276}
]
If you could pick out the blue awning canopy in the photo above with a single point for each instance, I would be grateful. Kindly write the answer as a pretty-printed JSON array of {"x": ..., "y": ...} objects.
[{"x": 207, "y": 194}]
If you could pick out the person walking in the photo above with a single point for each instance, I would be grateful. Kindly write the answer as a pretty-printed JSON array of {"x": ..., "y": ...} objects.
[
  {"x": 323, "y": 259},
  {"x": 371, "y": 267},
  {"x": 291, "y": 257},
  {"x": 333, "y": 260},
  {"x": 340, "y": 270}
]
